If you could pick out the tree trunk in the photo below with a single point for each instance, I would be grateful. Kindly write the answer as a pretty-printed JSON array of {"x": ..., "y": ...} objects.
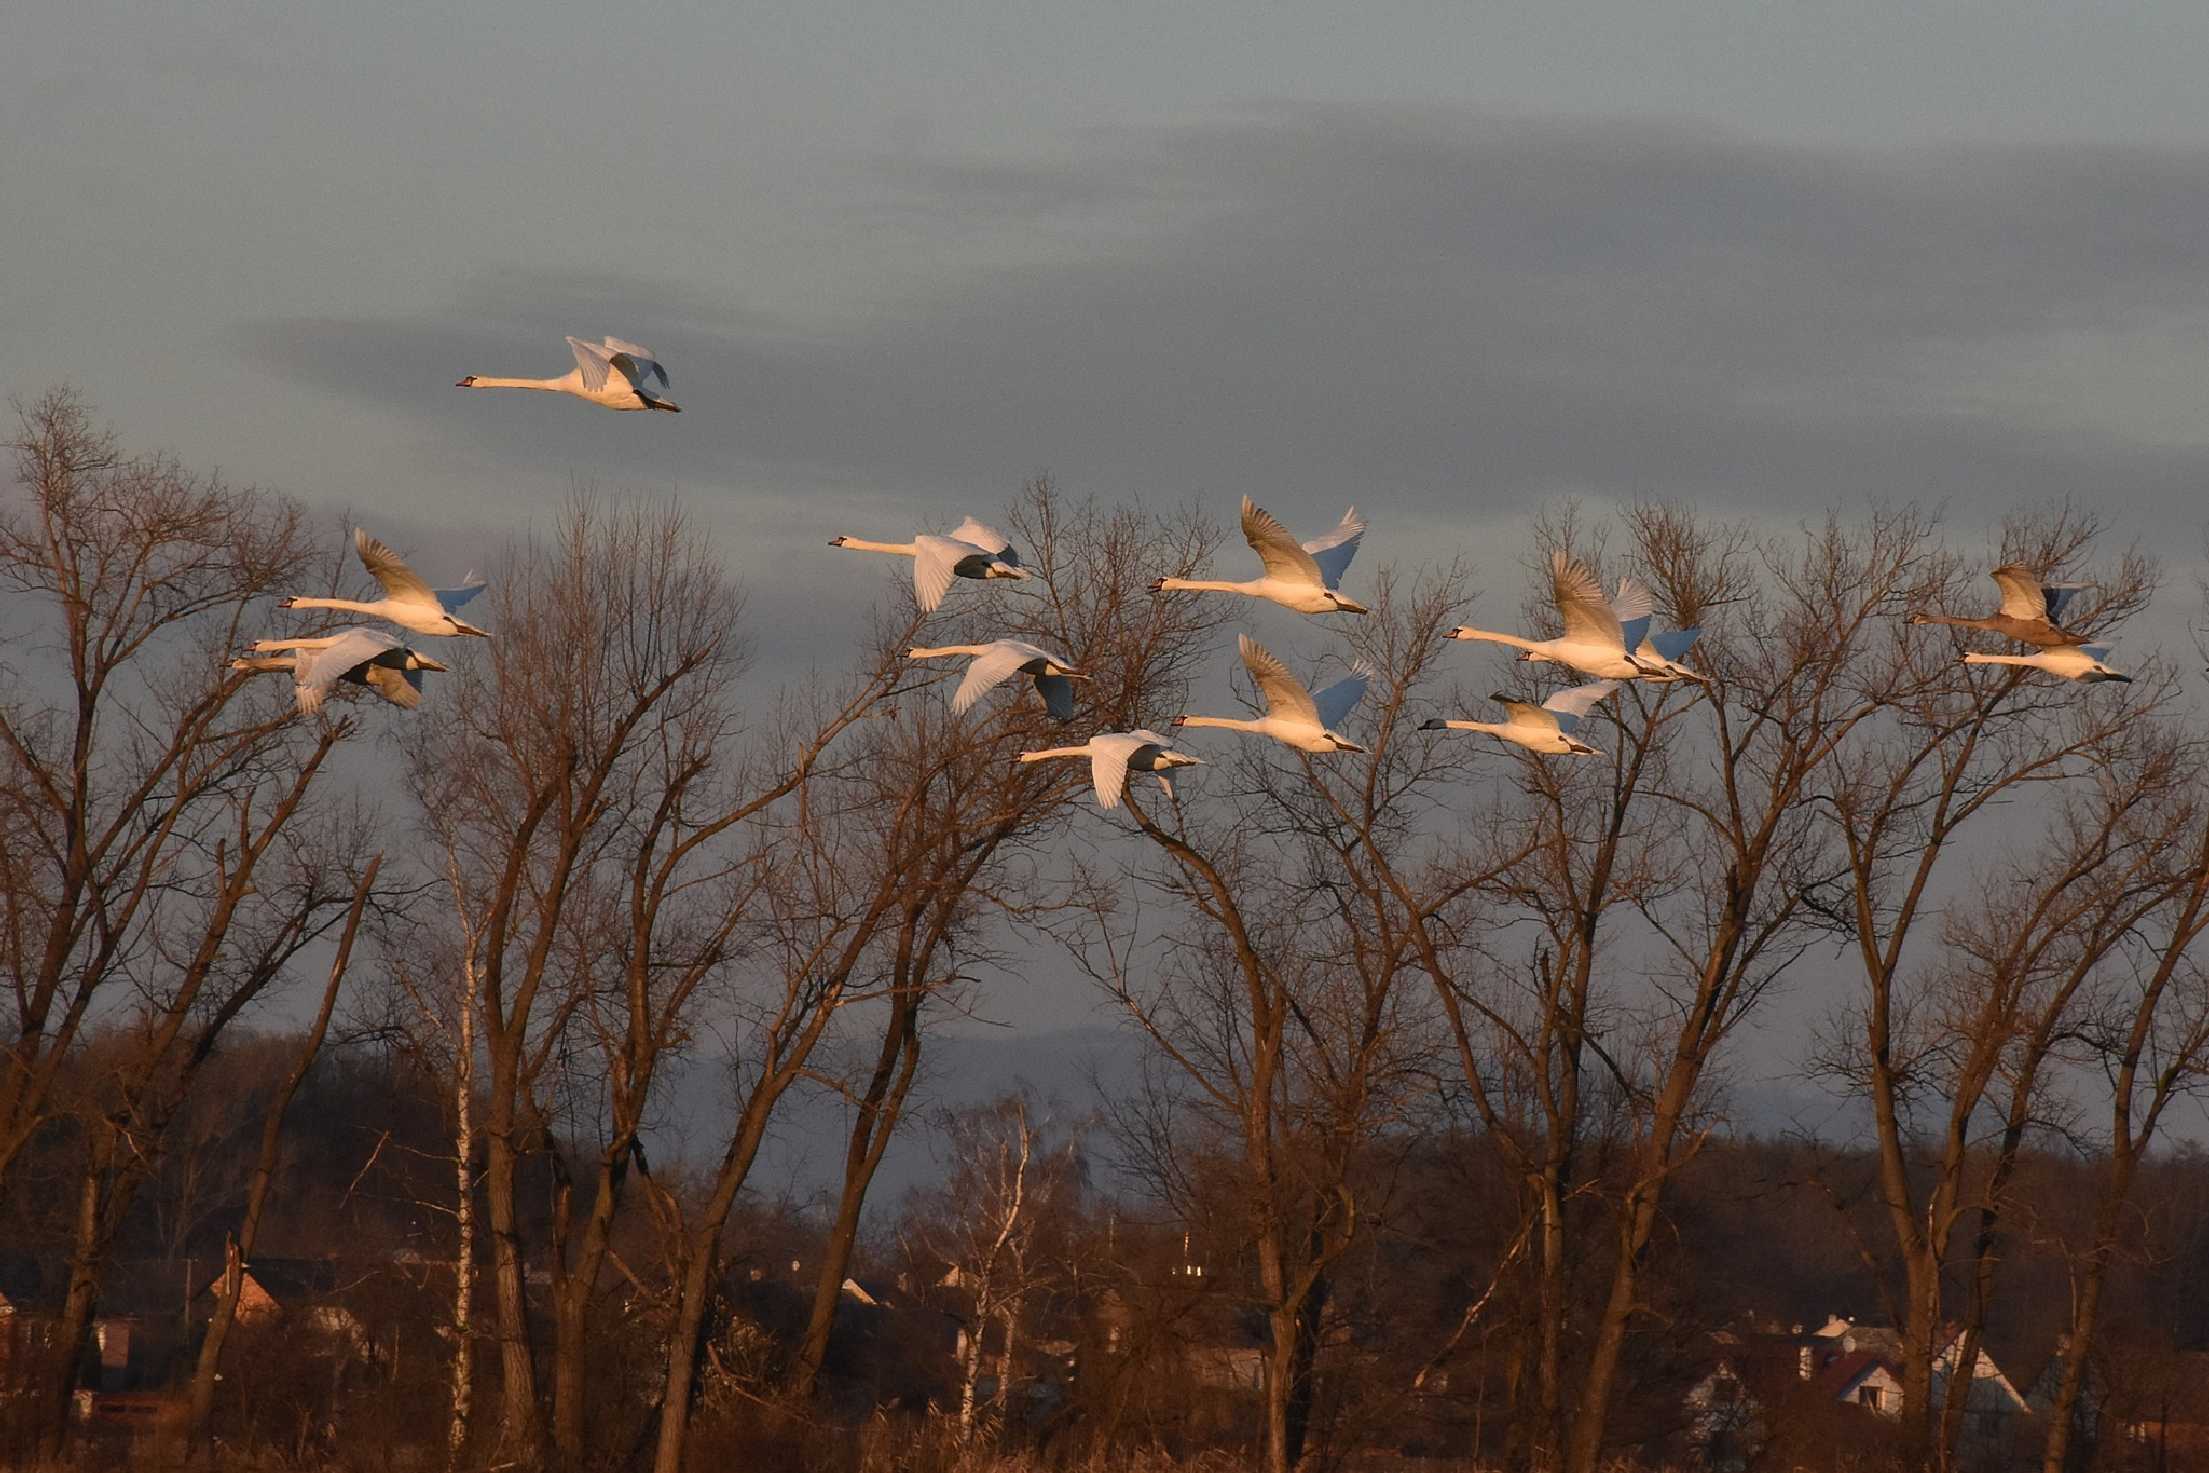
[
  {"x": 880, "y": 1109},
  {"x": 238, "y": 1248},
  {"x": 521, "y": 1435},
  {"x": 88, "y": 1249},
  {"x": 464, "y": 1224}
]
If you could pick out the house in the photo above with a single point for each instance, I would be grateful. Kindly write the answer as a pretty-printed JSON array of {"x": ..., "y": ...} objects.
[
  {"x": 30, "y": 1306},
  {"x": 311, "y": 1288}
]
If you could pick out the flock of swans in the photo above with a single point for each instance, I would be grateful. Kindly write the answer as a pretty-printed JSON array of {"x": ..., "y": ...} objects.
[{"x": 1610, "y": 639}]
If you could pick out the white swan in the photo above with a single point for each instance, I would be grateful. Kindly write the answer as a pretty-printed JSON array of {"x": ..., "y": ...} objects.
[
  {"x": 613, "y": 373},
  {"x": 1548, "y": 727},
  {"x": 1293, "y": 714},
  {"x": 362, "y": 656},
  {"x": 1112, "y": 753},
  {"x": 971, "y": 551},
  {"x": 2087, "y": 662},
  {"x": 1000, "y": 660},
  {"x": 1299, "y": 575},
  {"x": 408, "y": 602},
  {"x": 1598, "y": 639}
]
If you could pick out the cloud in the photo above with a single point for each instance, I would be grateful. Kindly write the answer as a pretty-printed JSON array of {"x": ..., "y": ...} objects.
[{"x": 1451, "y": 311}]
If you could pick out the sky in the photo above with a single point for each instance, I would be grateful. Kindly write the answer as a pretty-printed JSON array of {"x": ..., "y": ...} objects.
[{"x": 1450, "y": 261}]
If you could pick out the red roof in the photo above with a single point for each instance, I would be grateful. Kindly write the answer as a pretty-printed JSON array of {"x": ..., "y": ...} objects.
[{"x": 1844, "y": 1371}]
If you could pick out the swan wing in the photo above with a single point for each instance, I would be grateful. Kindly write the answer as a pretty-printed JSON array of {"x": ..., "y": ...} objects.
[
  {"x": 1058, "y": 695},
  {"x": 1284, "y": 557},
  {"x": 317, "y": 671},
  {"x": 399, "y": 581},
  {"x": 2058, "y": 597},
  {"x": 1633, "y": 600},
  {"x": 996, "y": 663},
  {"x": 2021, "y": 595},
  {"x": 2095, "y": 651},
  {"x": 1285, "y": 694},
  {"x": 987, "y": 538},
  {"x": 453, "y": 598},
  {"x": 1568, "y": 707},
  {"x": 1526, "y": 713},
  {"x": 935, "y": 564},
  {"x": 1109, "y": 755},
  {"x": 1333, "y": 550},
  {"x": 1674, "y": 643},
  {"x": 638, "y": 363},
  {"x": 592, "y": 361},
  {"x": 1588, "y": 616},
  {"x": 403, "y": 688},
  {"x": 1341, "y": 698}
]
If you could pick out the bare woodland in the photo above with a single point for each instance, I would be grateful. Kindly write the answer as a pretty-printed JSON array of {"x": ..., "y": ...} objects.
[{"x": 1436, "y": 1152}]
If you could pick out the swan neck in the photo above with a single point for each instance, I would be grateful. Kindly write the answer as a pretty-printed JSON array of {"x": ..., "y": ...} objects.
[
  {"x": 550, "y": 385},
  {"x": 860, "y": 544},
  {"x": 917, "y": 653},
  {"x": 1224, "y": 723},
  {"x": 1492, "y": 637},
  {"x": 1488, "y": 726},
  {"x": 1200, "y": 585},
  {"x": 1973, "y": 657},
  {"x": 1081, "y": 751},
  {"x": 334, "y": 603}
]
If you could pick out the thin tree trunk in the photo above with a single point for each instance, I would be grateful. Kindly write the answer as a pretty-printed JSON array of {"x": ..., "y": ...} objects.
[
  {"x": 238, "y": 1251},
  {"x": 464, "y": 1219},
  {"x": 520, "y": 1433}
]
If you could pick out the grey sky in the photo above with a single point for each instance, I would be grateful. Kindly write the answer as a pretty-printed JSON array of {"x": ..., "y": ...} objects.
[{"x": 1445, "y": 260}]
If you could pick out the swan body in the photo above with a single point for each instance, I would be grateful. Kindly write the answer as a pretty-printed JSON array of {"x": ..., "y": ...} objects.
[
  {"x": 2028, "y": 613},
  {"x": 360, "y": 656},
  {"x": 609, "y": 372},
  {"x": 1000, "y": 660},
  {"x": 2087, "y": 662},
  {"x": 1299, "y": 575},
  {"x": 971, "y": 551},
  {"x": 1599, "y": 639},
  {"x": 1546, "y": 728},
  {"x": 1113, "y": 754},
  {"x": 1294, "y": 715},
  {"x": 408, "y": 602}
]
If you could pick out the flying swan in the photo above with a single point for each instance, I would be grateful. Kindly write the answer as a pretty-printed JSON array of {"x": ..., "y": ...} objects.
[
  {"x": 1658, "y": 655},
  {"x": 360, "y": 656},
  {"x": 407, "y": 602},
  {"x": 2028, "y": 612},
  {"x": 1000, "y": 660},
  {"x": 971, "y": 551},
  {"x": 1548, "y": 727},
  {"x": 611, "y": 372},
  {"x": 1299, "y": 575},
  {"x": 1598, "y": 639},
  {"x": 1294, "y": 715},
  {"x": 2087, "y": 662},
  {"x": 1112, "y": 753}
]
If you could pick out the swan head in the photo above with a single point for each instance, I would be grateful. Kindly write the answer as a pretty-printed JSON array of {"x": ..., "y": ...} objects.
[
  {"x": 416, "y": 661},
  {"x": 1460, "y": 632},
  {"x": 1158, "y": 585},
  {"x": 837, "y": 541},
  {"x": 1919, "y": 616},
  {"x": 466, "y": 383},
  {"x": 1345, "y": 605},
  {"x": 1580, "y": 749},
  {"x": 288, "y": 601},
  {"x": 1434, "y": 723},
  {"x": 1178, "y": 722}
]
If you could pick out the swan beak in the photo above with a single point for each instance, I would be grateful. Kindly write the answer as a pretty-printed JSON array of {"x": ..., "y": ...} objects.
[
  {"x": 835, "y": 542},
  {"x": 1434, "y": 723},
  {"x": 1178, "y": 722},
  {"x": 289, "y": 600},
  {"x": 467, "y": 383},
  {"x": 2125, "y": 678},
  {"x": 1347, "y": 606},
  {"x": 1343, "y": 746},
  {"x": 1158, "y": 585},
  {"x": 1457, "y": 633}
]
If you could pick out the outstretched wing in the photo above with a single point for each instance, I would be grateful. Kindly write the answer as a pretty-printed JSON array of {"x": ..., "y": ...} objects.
[
  {"x": 471, "y": 585},
  {"x": 1333, "y": 550},
  {"x": 403, "y": 688},
  {"x": 1282, "y": 554},
  {"x": 1108, "y": 763},
  {"x": 992, "y": 667},
  {"x": 592, "y": 361},
  {"x": 1285, "y": 694},
  {"x": 1634, "y": 600},
  {"x": 642, "y": 368},
  {"x": 1675, "y": 643},
  {"x": 1587, "y": 614},
  {"x": 935, "y": 564},
  {"x": 399, "y": 581},
  {"x": 1058, "y": 696},
  {"x": 2058, "y": 596},
  {"x": 1341, "y": 698},
  {"x": 987, "y": 538},
  {"x": 2021, "y": 595},
  {"x": 1526, "y": 713},
  {"x": 1568, "y": 707},
  {"x": 317, "y": 671}
]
